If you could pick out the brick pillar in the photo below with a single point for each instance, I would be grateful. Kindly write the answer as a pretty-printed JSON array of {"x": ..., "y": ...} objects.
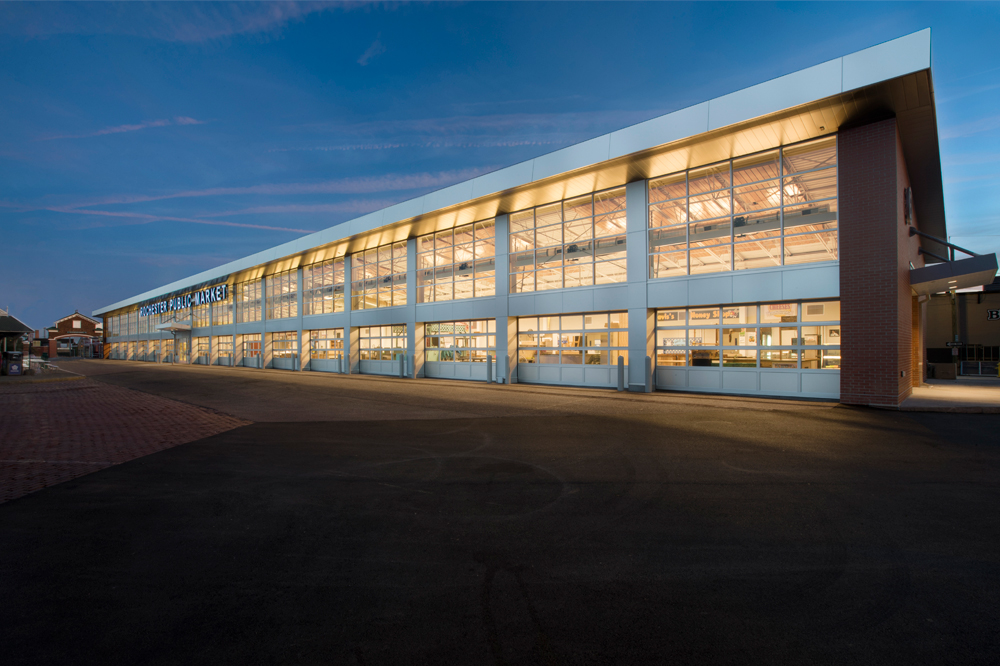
[{"x": 875, "y": 297}]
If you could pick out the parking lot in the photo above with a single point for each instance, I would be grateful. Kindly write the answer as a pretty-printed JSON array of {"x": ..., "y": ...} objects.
[{"x": 372, "y": 520}]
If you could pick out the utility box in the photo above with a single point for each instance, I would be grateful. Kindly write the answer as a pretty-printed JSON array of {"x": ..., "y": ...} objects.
[{"x": 12, "y": 363}]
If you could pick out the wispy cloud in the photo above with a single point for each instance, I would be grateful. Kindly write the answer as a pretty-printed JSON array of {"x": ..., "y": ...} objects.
[
  {"x": 421, "y": 144},
  {"x": 376, "y": 48},
  {"x": 118, "y": 129},
  {"x": 362, "y": 185},
  {"x": 355, "y": 206},
  {"x": 486, "y": 125},
  {"x": 145, "y": 218},
  {"x": 167, "y": 21},
  {"x": 970, "y": 128}
]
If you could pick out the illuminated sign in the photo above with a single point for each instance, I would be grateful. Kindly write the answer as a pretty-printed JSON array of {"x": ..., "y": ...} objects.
[{"x": 210, "y": 295}]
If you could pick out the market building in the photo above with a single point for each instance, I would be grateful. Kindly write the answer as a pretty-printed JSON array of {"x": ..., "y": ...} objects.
[{"x": 780, "y": 240}]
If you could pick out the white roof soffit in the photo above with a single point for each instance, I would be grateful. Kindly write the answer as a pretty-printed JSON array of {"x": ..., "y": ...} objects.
[
  {"x": 976, "y": 271},
  {"x": 885, "y": 80}
]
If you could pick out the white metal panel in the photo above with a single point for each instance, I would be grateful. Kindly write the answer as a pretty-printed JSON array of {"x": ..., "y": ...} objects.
[
  {"x": 777, "y": 94},
  {"x": 667, "y": 294},
  {"x": 825, "y": 383},
  {"x": 402, "y": 211},
  {"x": 739, "y": 381},
  {"x": 613, "y": 298},
  {"x": 571, "y": 375},
  {"x": 699, "y": 378},
  {"x": 910, "y": 53},
  {"x": 502, "y": 179},
  {"x": 821, "y": 281},
  {"x": 325, "y": 364},
  {"x": 521, "y": 305},
  {"x": 671, "y": 378},
  {"x": 783, "y": 382},
  {"x": 664, "y": 129},
  {"x": 578, "y": 300},
  {"x": 571, "y": 158},
  {"x": 754, "y": 286},
  {"x": 710, "y": 290},
  {"x": 448, "y": 196},
  {"x": 548, "y": 301}
]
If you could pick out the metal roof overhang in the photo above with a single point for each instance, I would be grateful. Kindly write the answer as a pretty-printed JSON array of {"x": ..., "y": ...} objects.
[
  {"x": 174, "y": 326},
  {"x": 888, "y": 80},
  {"x": 962, "y": 274}
]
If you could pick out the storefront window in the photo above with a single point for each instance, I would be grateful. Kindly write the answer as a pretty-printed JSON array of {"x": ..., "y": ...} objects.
[
  {"x": 583, "y": 339},
  {"x": 285, "y": 344},
  {"x": 224, "y": 346},
  {"x": 771, "y": 335},
  {"x": 382, "y": 343},
  {"x": 378, "y": 277},
  {"x": 460, "y": 341},
  {"x": 327, "y": 343},
  {"x": 572, "y": 243},
  {"x": 457, "y": 263},
  {"x": 770, "y": 209},
  {"x": 323, "y": 287}
]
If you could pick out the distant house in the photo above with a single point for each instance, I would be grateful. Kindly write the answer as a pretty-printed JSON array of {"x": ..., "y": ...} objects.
[{"x": 77, "y": 335}]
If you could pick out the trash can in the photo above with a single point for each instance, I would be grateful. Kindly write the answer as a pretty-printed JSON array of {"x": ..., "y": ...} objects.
[{"x": 12, "y": 363}]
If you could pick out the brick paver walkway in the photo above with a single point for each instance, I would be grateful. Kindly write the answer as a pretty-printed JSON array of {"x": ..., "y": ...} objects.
[{"x": 53, "y": 432}]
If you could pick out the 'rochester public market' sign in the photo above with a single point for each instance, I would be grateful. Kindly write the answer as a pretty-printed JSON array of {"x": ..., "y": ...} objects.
[{"x": 210, "y": 295}]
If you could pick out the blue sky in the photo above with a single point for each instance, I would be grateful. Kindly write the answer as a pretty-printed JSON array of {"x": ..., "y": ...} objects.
[{"x": 141, "y": 143}]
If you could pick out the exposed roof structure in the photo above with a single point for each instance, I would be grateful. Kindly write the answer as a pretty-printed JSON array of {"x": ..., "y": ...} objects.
[{"x": 889, "y": 80}]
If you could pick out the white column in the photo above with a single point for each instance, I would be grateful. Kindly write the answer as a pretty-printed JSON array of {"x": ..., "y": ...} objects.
[
  {"x": 506, "y": 326},
  {"x": 298, "y": 309},
  {"x": 641, "y": 327},
  {"x": 411, "y": 307}
]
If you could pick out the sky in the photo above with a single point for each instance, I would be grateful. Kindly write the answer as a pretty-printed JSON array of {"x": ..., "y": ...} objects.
[{"x": 141, "y": 143}]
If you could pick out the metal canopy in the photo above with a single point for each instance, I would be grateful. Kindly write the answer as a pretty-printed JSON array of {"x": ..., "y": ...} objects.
[
  {"x": 960, "y": 274},
  {"x": 174, "y": 326}
]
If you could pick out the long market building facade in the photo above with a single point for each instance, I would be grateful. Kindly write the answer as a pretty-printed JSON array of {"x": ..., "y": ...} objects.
[{"x": 781, "y": 240}]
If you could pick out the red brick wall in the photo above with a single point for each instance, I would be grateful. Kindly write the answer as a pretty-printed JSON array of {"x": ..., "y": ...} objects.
[
  {"x": 875, "y": 255},
  {"x": 87, "y": 327}
]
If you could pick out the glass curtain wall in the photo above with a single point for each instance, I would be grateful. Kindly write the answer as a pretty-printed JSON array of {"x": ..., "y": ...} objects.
[
  {"x": 773, "y": 335},
  {"x": 572, "y": 243},
  {"x": 378, "y": 277},
  {"x": 323, "y": 287},
  {"x": 281, "y": 293},
  {"x": 222, "y": 313},
  {"x": 248, "y": 301},
  {"x": 581, "y": 339},
  {"x": 382, "y": 343},
  {"x": 770, "y": 209},
  {"x": 460, "y": 340},
  {"x": 200, "y": 315},
  {"x": 457, "y": 263}
]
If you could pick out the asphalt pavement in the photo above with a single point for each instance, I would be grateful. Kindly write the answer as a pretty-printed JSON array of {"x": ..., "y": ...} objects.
[{"x": 387, "y": 521}]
